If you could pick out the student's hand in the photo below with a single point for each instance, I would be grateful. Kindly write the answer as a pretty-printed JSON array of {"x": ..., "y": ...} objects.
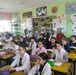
[
  {"x": 11, "y": 68},
  {"x": 57, "y": 61}
]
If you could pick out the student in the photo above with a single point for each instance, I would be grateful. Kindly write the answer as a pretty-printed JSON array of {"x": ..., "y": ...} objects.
[
  {"x": 72, "y": 43},
  {"x": 21, "y": 62},
  {"x": 52, "y": 34},
  {"x": 5, "y": 45},
  {"x": 40, "y": 49},
  {"x": 60, "y": 35},
  {"x": 32, "y": 44},
  {"x": 13, "y": 47},
  {"x": 22, "y": 42},
  {"x": 52, "y": 43},
  {"x": 66, "y": 45},
  {"x": 60, "y": 54},
  {"x": 41, "y": 67},
  {"x": 41, "y": 38}
]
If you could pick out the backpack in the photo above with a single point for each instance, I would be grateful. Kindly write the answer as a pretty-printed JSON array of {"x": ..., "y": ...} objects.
[{"x": 4, "y": 72}]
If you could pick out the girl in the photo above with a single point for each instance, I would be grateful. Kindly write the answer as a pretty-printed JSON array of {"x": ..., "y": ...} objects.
[
  {"x": 40, "y": 49},
  {"x": 60, "y": 53},
  {"x": 21, "y": 62},
  {"x": 41, "y": 67}
]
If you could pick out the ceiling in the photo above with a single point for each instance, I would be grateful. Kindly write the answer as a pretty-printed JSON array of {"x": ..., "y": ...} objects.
[{"x": 19, "y": 5}]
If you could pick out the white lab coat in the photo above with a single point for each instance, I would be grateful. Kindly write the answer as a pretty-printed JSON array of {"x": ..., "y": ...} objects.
[
  {"x": 25, "y": 63},
  {"x": 33, "y": 46},
  {"x": 46, "y": 70}
]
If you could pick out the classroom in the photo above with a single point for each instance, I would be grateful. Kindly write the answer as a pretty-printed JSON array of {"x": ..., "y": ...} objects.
[{"x": 38, "y": 37}]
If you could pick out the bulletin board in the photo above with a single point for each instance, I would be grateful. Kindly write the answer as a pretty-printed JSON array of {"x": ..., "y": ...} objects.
[
  {"x": 73, "y": 23},
  {"x": 60, "y": 22}
]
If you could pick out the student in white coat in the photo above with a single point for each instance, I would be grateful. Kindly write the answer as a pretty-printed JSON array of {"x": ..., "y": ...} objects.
[
  {"x": 22, "y": 61},
  {"x": 5, "y": 45},
  {"x": 32, "y": 44},
  {"x": 41, "y": 67}
]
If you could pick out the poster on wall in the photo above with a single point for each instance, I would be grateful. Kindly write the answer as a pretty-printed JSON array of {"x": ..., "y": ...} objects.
[
  {"x": 73, "y": 23},
  {"x": 41, "y": 11},
  {"x": 70, "y": 7},
  {"x": 27, "y": 24},
  {"x": 60, "y": 22}
]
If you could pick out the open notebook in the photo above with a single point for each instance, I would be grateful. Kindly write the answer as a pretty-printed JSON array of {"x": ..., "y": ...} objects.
[{"x": 57, "y": 64}]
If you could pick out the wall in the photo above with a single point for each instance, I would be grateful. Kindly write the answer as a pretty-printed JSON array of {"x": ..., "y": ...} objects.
[{"x": 61, "y": 10}]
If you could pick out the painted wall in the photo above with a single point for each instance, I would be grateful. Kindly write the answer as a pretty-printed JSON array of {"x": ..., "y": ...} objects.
[
  {"x": 61, "y": 10},
  {"x": 5, "y": 16}
]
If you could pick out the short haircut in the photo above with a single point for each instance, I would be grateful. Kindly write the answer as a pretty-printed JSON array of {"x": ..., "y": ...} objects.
[
  {"x": 4, "y": 41},
  {"x": 59, "y": 42},
  {"x": 73, "y": 36}
]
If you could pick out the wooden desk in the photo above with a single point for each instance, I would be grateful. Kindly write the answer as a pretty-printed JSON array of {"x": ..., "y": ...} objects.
[
  {"x": 14, "y": 73},
  {"x": 28, "y": 48},
  {"x": 18, "y": 73},
  {"x": 73, "y": 57},
  {"x": 63, "y": 68},
  {"x": 7, "y": 55}
]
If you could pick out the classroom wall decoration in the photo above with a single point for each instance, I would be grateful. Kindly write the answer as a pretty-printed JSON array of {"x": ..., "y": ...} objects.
[
  {"x": 70, "y": 7},
  {"x": 41, "y": 11},
  {"x": 43, "y": 22},
  {"x": 27, "y": 14},
  {"x": 73, "y": 23},
  {"x": 59, "y": 22}
]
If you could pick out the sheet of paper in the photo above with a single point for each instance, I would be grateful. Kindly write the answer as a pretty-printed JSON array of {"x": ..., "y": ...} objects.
[{"x": 58, "y": 64}]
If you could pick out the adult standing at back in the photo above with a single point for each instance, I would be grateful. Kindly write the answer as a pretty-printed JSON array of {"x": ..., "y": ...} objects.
[{"x": 60, "y": 35}]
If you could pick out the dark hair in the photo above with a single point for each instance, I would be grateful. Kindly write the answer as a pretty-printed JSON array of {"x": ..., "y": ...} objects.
[
  {"x": 53, "y": 38},
  {"x": 13, "y": 41},
  {"x": 4, "y": 41},
  {"x": 44, "y": 56},
  {"x": 59, "y": 42},
  {"x": 73, "y": 36},
  {"x": 23, "y": 47}
]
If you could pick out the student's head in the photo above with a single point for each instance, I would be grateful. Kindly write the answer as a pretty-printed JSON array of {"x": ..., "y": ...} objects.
[
  {"x": 73, "y": 37},
  {"x": 59, "y": 45},
  {"x": 58, "y": 30},
  {"x": 4, "y": 42},
  {"x": 21, "y": 38},
  {"x": 32, "y": 40},
  {"x": 64, "y": 42},
  {"x": 40, "y": 44},
  {"x": 42, "y": 58},
  {"x": 12, "y": 43},
  {"x": 21, "y": 50},
  {"x": 41, "y": 35},
  {"x": 52, "y": 31},
  {"x": 53, "y": 39},
  {"x": 64, "y": 37}
]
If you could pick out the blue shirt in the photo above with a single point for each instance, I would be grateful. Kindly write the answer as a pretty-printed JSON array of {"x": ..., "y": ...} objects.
[{"x": 67, "y": 47}]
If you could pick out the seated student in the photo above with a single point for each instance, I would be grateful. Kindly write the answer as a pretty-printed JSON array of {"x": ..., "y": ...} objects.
[
  {"x": 22, "y": 42},
  {"x": 52, "y": 43},
  {"x": 72, "y": 43},
  {"x": 32, "y": 44},
  {"x": 41, "y": 67},
  {"x": 60, "y": 54},
  {"x": 66, "y": 45},
  {"x": 21, "y": 62},
  {"x": 40, "y": 49},
  {"x": 52, "y": 34},
  {"x": 13, "y": 47},
  {"x": 41, "y": 38},
  {"x": 5, "y": 45}
]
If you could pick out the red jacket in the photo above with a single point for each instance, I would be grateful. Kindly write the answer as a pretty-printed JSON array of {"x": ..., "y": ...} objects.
[{"x": 59, "y": 36}]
